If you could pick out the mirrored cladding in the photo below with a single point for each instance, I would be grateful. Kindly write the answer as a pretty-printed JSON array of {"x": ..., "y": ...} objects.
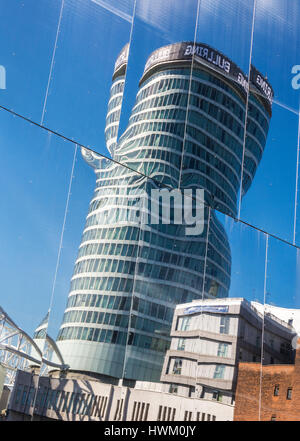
[
  {"x": 272, "y": 139},
  {"x": 147, "y": 106},
  {"x": 28, "y": 34},
  {"x": 270, "y": 203},
  {"x": 275, "y": 51},
  {"x": 280, "y": 335},
  {"x": 79, "y": 101},
  {"x": 36, "y": 169},
  {"x": 234, "y": 22},
  {"x": 150, "y": 176},
  {"x": 214, "y": 148}
]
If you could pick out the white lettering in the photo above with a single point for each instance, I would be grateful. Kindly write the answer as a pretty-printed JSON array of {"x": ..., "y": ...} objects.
[
  {"x": 198, "y": 219},
  {"x": 227, "y": 66},
  {"x": 296, "y": 79}
]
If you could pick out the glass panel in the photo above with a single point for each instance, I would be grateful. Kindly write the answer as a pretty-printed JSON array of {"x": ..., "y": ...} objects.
[
  {"x": 149, "y": 109},
  {"x": 172, "y": 290},
  {"x": 92, "y": 34},
  {"x": 275, "y": 25},
  {"x": 36, "y": 169},
  {"x": 91, "y": 325},
  {"x": 241, "y": 253},
  {"x": 28, "y": 34},
  {"x": 275, "y": 179},
  {"x": 281, "y": 329}
]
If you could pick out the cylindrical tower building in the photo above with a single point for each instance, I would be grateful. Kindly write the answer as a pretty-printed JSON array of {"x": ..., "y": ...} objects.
[{"x": 186, "y": 131}]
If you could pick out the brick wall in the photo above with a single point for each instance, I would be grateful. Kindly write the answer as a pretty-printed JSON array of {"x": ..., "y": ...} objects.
[{"x": 255, "y": 399}]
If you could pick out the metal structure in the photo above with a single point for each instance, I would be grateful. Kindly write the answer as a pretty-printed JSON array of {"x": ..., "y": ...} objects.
[{"x": 19, "y": 351}]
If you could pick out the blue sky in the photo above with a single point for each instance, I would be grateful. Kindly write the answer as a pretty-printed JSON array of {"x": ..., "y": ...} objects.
[{"x": 36, "y": 166}]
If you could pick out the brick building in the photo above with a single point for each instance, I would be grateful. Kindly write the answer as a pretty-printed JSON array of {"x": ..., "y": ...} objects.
[{"x": 268, "y": 393}]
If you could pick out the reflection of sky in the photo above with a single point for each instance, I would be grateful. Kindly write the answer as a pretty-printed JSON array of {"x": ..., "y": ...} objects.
[{"x": 35, "y": 168}]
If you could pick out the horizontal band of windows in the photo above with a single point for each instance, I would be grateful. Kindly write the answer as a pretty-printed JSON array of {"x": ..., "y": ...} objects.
[
  {"x": 103, "y": 284},
  {"x": 97, "y": 317},
  {"x": 99, "y": 301},
  {"x": 141, "y": 305},
  {"x": 162, "y": 241},
  {"x": 176, "y": 293},
  {"x": 217, "y": 179},
  {"x": 113, "y": 337},
  {"x": 149, "y": 268},
  {"x": 167, "y": 83},
  {"x": 194, "y": 249},
  {"x": 167, "y": 139},
  {"x": 132, "y": 233},
  {"x": 179, "y": 99},
  {"x": 114, "y": 116},
  {"x": 114, "y": 101},
  {"x": 117, "y": 87},
  {"x": 153, "y": 126},
  {"x": 92, "y": 334},
  {"x": 157, "y": 254},
  {"x": 217, "y": 164}
]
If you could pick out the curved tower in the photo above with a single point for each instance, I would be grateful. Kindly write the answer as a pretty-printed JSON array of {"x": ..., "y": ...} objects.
[{"x": 185, "y": 132}]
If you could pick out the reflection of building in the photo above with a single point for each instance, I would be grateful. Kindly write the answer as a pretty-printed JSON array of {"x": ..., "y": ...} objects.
[
  {"x": 80, "y": 399},
  {"x": 127, "y": 278},
  {"x": 268, "y": 393},
  {"x": 289, "y": 315},
  {"x": 210, "y": 338}
]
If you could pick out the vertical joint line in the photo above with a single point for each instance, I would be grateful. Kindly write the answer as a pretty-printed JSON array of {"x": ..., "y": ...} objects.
[
  {"x": 297, "y": 178},
  {"x": 52, "y": 61},
  {"x": 246, "y": 110},
  {"x": 263, "y": 329}
]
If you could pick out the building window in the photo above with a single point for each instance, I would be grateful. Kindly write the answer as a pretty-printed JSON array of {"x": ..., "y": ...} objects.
[
  {"x": 184, "y": 323},
  {"x": 222, "y": 350},
  {"x": 289, "y": 393},
  {"x": 187, "y": 416},
  {"x": 181, "y": 344},
  {"x": 217, "y": 395},
  {"x": 219, "y": 371},
  {"x": 166, "y": 413},
  {"x": 191, "y": 391},
  {"x": 224, "y": 325},
  {"x": 177, "y": 366},
  {"x": 173, "y": 389},
  {"x": 276, "y": 390}
]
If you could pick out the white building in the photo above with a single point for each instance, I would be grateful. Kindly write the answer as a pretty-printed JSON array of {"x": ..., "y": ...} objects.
[{"x": 210, "y": 337}]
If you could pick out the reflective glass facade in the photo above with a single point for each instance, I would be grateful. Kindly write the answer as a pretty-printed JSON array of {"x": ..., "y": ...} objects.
[
  {"x": 102, "y": 101},
  {"x": 186, "y": 131}
]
